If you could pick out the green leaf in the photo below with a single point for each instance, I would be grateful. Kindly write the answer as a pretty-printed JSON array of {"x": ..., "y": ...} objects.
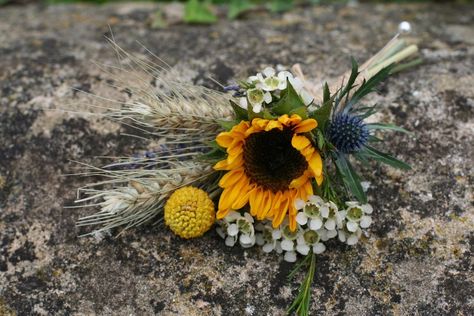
[
  {"x": 320, "y": 139},
  {"x": 407, "y": 65},
  {"x": 198, "y": 12},
  {"x": 362, "y": 159},
  {"x": 391, "y": 127},
  {"x": 302, "y": 301},
  {"x": 302, "y": 111},
  {"x": 373, "y": 153},
  {"x": 369, "y": 110},
  {"x": 298, "y": 268},
  {"x": 240, "y": 113},
  {"x": 374, "y": 139},
  {"x": 216, "y": 153},
  {"x": 227, "y": 125},
  {"x": 280, "y": 5},
  {"x": 213, "y": 155},
  {"x": 350, "y": 178},
  {"x": 290, "y": 100},
  {"x": 350, "y": 83},
  {"x": 267, "y": 115},
  {"x": 322, "y": 114},
  {"x": 326, "y": 93},
  {"x": 237, "y": 7},
  {"x": 369, "y": 86}
]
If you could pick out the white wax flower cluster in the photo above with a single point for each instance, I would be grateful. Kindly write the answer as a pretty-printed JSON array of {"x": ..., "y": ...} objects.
[
  {"x": 267, "y": 86},
  {"x": 318, "y": 221}
]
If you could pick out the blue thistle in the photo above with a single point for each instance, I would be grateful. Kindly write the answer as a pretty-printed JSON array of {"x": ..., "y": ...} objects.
[{"x": 348, "y": 133}]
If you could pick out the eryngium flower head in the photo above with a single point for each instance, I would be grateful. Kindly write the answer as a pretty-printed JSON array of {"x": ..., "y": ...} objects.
[{"x": 348, "y": 133}]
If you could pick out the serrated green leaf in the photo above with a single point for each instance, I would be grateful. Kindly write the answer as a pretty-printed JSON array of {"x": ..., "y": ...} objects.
[
  {"x": 350, "y": 178},
  {"x": 198, "y": 12},
  {"x": 227, "y": 125},
  {"x": 237, "y": 7},
  {"x": 392, "y": 127},
  {"x": 322, "y": 114},
  {"x": 302, "y": 111},
  {"x": 373, "y": 153},
  {"x": 240, "y": 113},
  {"x": 290, "y": 100}
]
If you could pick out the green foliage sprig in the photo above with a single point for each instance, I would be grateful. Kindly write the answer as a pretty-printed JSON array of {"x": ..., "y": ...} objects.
[{"x": 301, "y": 303}]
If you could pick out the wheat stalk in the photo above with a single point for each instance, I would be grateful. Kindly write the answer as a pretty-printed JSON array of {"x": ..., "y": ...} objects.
[
  {"x": 184, "y": 117},
  {"x": 129, "y": 198},
  {"x": 162, "y": 104}
]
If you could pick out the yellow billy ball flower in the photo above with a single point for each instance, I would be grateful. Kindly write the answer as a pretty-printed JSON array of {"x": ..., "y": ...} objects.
[{"x": 189, "y": 212}]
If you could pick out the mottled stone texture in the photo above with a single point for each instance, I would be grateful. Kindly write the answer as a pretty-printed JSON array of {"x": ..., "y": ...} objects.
[{"x": 418, "y": 259}]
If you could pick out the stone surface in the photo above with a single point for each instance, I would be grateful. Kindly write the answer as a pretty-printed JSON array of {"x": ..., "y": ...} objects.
[{"x": 418, "y": 258}]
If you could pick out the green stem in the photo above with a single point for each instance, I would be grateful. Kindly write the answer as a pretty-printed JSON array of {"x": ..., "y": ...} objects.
[{"x": 301, "y": 304}]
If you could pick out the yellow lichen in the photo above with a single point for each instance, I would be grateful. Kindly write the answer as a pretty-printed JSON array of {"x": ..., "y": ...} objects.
[{"x": 189, "y": 212}]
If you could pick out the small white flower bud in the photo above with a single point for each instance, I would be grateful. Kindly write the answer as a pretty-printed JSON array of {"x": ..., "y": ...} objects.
[{"x": 404, "y": 27}]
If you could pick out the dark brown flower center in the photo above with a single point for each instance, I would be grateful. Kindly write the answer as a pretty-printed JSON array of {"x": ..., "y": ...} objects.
[{"x": 271, "y": 161}]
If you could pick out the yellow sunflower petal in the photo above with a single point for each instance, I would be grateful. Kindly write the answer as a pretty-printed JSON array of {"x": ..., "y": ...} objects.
[
  {"x": 295, "y": 119},
  {"x": 307, "y": 152},
  {"x": 292, "y": 217},
  {"x": 319, "y": 180},
  {"x": 230, "y": 195},
  {"x": 316, "y": 164},
  {"x": 280, "y": 213},
  {"x": 266, "y": 205},
  {"x": 243, "y": 198},
  {"x": 224, "y": 139},
  {"x": 306, "y": 126},
  {"x": 241, "y": 127},
  {"x": 250, "y": 131},
  {"x": 300, "y": 142},
  {"x": 234, "y": 153},
  {"x": 222, "y": 213},
  {"x": 255, "y": 199},
  {"x": 235, "y": 161},
  {"x": 273, "y": 124},
  {"x": 275, "y": 204},
  {"x": 221, "y": 165},
  {"x": 298, "y": 182},
  {"x": 224, "y": 200},
  {"x": 259, "y": 123},
  {"x": 284, "y": 119},
  {"x": 231, "y": 177},
  {"x": 308, "y": 190}
]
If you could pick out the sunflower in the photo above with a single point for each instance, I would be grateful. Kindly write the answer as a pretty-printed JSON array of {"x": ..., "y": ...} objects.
[{"x": 270, "y": 164}]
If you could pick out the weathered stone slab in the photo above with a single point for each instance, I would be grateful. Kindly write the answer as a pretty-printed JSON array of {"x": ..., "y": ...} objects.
[{"x": 418, "y": 259}]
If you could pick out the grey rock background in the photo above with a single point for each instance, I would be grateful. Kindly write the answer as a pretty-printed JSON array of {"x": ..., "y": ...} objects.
[{"x": 418, "y": 259}]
